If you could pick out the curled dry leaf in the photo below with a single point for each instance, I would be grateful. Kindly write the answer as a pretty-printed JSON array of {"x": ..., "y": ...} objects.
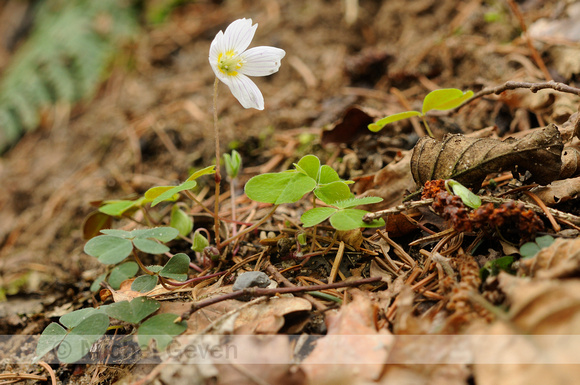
[
  {"x": 469, "y": 160},
  {"x": 558, "y": 191},
  {"x": 561, "y": 259}
]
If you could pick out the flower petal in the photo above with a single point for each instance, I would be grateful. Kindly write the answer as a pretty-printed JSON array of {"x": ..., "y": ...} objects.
[
  {"x": 238, "y": 36},
  {"x": 214, "y": 49},
  {"x": 246, "y": 91},
  {"x": 262, "y": 61}
]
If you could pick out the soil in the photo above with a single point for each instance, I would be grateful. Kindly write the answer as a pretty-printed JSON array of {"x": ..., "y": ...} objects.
[{"x": 151, "y": 121}]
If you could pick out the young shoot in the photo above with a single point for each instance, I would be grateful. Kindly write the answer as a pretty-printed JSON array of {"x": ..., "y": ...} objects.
[{"x": 443, "y": 99}]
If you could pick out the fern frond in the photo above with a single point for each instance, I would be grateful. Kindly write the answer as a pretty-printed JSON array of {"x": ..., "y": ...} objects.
[{"x": 63, "y": 60}]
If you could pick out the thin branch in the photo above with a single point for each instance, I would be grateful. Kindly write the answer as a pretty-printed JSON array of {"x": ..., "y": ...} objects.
[
  {"x": 397, "y": 209},
  {"x": 258, "y": 292},
  {"x": 407, "y": 206},
  {"x": 511, "y": 85}
]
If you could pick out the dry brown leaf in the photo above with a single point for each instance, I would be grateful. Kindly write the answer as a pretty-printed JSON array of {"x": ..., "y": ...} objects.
[
  {"x": 268, "y": 317},
  {"x": 126, "y": 294},
  {"x": 350, "y": 126},
  {"x": 274, "y": 368},
  {"x": 425, "y": 374},
  {"x": 262, "y": 318},
  {"x": 561, "y": 259},
  {"x": 558, "y": 191},
  {"x": 503, "y": 356},
  {"x": 470, "y": 160},
  {"x": 543, "y": 306},
  {"x": 390, "y": 183},
  {"x": 353, "y": 351}
]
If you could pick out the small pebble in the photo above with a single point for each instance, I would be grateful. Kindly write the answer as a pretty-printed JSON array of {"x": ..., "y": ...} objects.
[{"x": 251, "y": 279}]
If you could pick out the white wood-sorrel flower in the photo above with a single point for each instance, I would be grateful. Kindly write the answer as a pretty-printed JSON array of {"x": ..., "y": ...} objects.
[{"x": 232, "y": 63}]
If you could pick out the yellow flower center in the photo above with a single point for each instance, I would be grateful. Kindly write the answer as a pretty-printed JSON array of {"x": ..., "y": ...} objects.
[{"x": 229, "y": 63}]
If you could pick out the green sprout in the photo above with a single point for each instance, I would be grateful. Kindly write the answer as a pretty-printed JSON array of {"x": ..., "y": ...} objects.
[
  {"x": 469, "y": 199},
  {"x": 443, "y": 99}
]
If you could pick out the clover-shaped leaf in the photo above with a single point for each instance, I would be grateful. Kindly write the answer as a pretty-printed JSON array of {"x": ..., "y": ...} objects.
[
  {"x": 327, "y": 175},
  {"x": 176, "y": 268},
  {"x": 204, "y": 171},
  {"x": 50, "y": 338},
  {"x": 332, "y": 192},
  {"x": 350, "y": 219},
  {"x": 353, "y": 202},
  {"x": 133, "y": 312},
  {"x": 121, "y": 273},
  {"x": 161, "y": 328},
  {"x": 316, "y": 215},
  {"x": 109, "y": 249},
  {"x": 309, "y": 165},
  {"x": 279, "y": 188},
  {"x": 167, "y": 194},
  {"x": 469, "y": 199},
  {"x": 77, "y": 343},
  {"x": 144, "y": 283}
]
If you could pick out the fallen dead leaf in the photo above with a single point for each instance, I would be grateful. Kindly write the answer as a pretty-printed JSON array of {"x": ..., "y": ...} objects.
[
  {"x": 470, "y": 160},
  {"x": 268, "y": 317},
  {"x": 390, "y": 183},
  {"x": 126, "y": 294},
  {"x": 559, "y": 260},
  {"x": 543, "y": 306},
  {"x": 558, "y": 191},
  {"x": 505, "y": 356},
  {"x": 353, "y": 351}
]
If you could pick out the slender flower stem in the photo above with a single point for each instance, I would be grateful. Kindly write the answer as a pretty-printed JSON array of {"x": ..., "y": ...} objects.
[
  {"x": 218, "y": 177},
  {"x": 233, "y": 204}
]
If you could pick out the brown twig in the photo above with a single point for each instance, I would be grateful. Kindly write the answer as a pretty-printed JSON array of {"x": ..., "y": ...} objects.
[
  {"x": 512, "y": 85},
  {"x": 281, "y": 279},
  {"x": 397, "y": 209},
  {"x": 258, "y": 292}
]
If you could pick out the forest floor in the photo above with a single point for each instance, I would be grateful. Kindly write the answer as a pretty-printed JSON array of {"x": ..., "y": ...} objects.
[{"x": 347, "y": 64}]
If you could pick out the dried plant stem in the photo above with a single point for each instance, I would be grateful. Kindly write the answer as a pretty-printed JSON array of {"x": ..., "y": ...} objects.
[
  {"x": 218, "y": 177},
  {"x": 407, "y": 206},
  {"x": 397, "y": 209},
  {"x": 511, "y": 85},
  {"x": 258, "y": 292}
]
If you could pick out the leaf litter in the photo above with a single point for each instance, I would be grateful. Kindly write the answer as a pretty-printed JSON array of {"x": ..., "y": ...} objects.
[{"x": 430, "y": 288}]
